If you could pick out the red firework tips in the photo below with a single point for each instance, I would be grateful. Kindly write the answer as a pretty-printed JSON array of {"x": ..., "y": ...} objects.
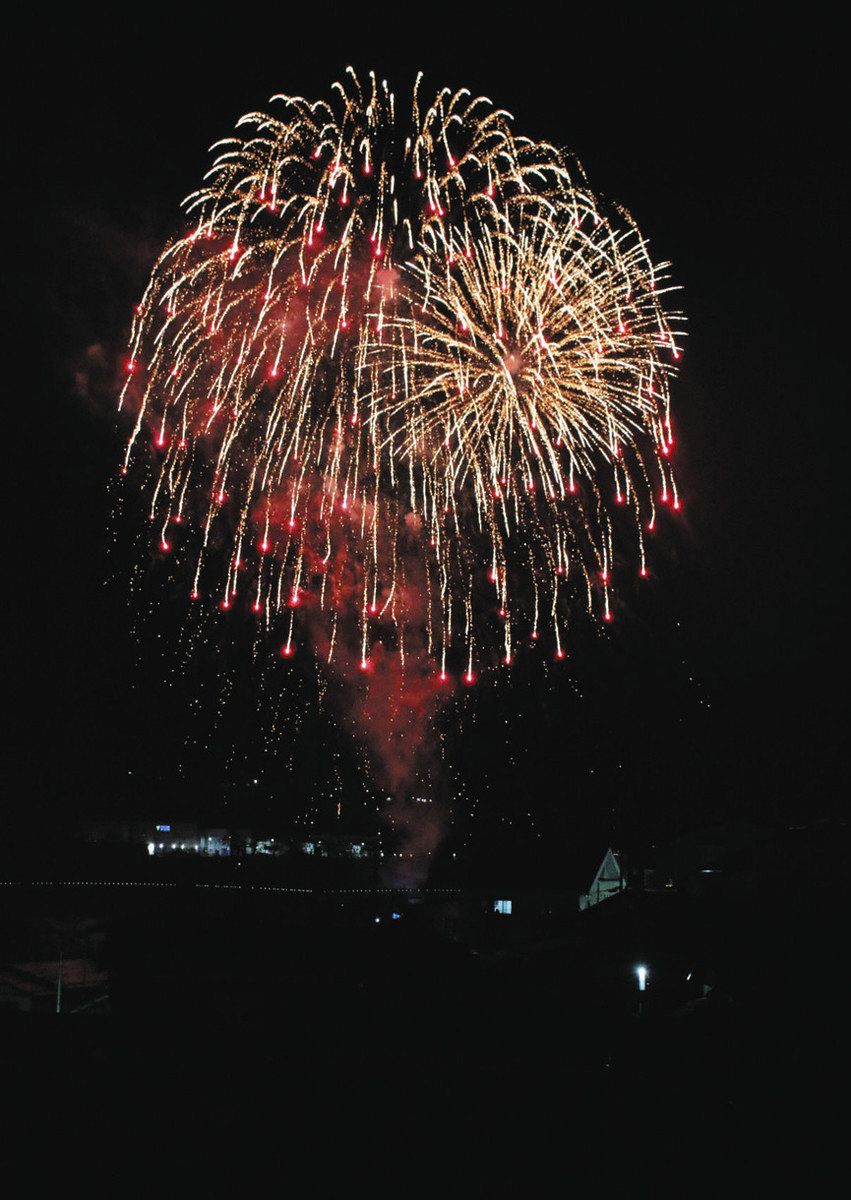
[
  {"x": 286, "y": 651},
  {"x": 534, "y": 635},
  {"x": 193, "y": 595},
  {"x": 604, "y": 575},
  {"x": 256, "y": 606},
  {"x": 443, "y": 677},
  {"x": 607, "y": 616},
  {"x": 366, "y": 665},
  {"x": 469, "y": 678},
  {"x": 224, "y": 605},
  {"x": 164, "y": 546},
  {"x": 651, "y": 526},
  {"x": 507, "y": 661},
  {"x": 677, "y": 505},
  {"x": 295, "y": 599},
  {"x": 559, "y": 654},
  {"x": 130, "y": 367},
  {"x": 263, "y": 547},
  {"x": 643, "y": 573}
]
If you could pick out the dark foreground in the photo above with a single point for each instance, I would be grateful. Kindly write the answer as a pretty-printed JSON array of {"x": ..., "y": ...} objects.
[{"x": 234, "y": 1006}]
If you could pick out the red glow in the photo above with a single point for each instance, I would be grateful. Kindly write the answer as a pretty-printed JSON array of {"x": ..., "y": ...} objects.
[
  {"x": 256, "y": 606},
  {"x": 559, "y": 654},
  {"x": 607, "y": 616},
  {"x": 534, "y": 635},
  {"x": 507, "y": 660},
  {"x": 164, "y": 545},
  {"x": 225, "y": 604},
  {"x": 643, "y": 572},
  {"x": 264, "y": 547},
  {"x": 677, "y": 504},
  {"x": 193, "y": 595},
  {"x": 469, "y": 678},
  {"x": 286, "y": 651},
  {"x": 366, "y": 665},
  {"x": 295, "y": 598}
]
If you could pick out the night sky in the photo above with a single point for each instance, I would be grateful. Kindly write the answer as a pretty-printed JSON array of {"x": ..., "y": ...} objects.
[{"x": 718, "y": 692}]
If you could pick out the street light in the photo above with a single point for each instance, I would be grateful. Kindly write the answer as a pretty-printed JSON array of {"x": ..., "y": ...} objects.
[{"x": 641, "y": 973}]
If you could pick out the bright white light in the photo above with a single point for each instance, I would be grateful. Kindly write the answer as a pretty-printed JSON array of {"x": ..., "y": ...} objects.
[
  {"x": 151, "y": 848},
  {"x": 642, "y": 973}
]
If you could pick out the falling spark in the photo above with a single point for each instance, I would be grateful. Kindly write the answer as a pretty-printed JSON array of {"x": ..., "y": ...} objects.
[{"x": 389, "y": 333}]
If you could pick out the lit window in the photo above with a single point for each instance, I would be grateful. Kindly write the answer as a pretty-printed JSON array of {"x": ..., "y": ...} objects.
[{"x": 502, "y": 906}]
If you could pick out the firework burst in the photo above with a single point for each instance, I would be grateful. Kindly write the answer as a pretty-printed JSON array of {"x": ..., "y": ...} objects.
[{"x": 403, "y": 370}]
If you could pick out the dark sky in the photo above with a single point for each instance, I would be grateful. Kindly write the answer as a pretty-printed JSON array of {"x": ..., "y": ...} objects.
[{"x": 720, "y": 691}]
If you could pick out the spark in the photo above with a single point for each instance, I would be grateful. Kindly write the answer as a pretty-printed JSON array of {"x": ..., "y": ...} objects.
[{"x": 368, "y": 341}]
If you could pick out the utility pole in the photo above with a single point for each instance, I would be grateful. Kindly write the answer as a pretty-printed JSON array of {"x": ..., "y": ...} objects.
[{"x": 59, "y": 986}]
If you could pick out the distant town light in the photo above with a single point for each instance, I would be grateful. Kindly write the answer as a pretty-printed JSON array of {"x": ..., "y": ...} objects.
[
  {"x": 642, "y": 973},
  {"x": 503, "y": 907}
]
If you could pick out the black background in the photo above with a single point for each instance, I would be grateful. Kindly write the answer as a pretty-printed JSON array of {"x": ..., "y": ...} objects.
[{"x": 719, "y": 691}]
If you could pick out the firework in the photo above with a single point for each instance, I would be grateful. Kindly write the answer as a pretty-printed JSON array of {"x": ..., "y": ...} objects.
[{"x": 404, "y": 371}]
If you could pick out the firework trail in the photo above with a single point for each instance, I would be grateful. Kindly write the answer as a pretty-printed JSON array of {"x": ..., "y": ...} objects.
[{"x": 407, "y": 384}]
